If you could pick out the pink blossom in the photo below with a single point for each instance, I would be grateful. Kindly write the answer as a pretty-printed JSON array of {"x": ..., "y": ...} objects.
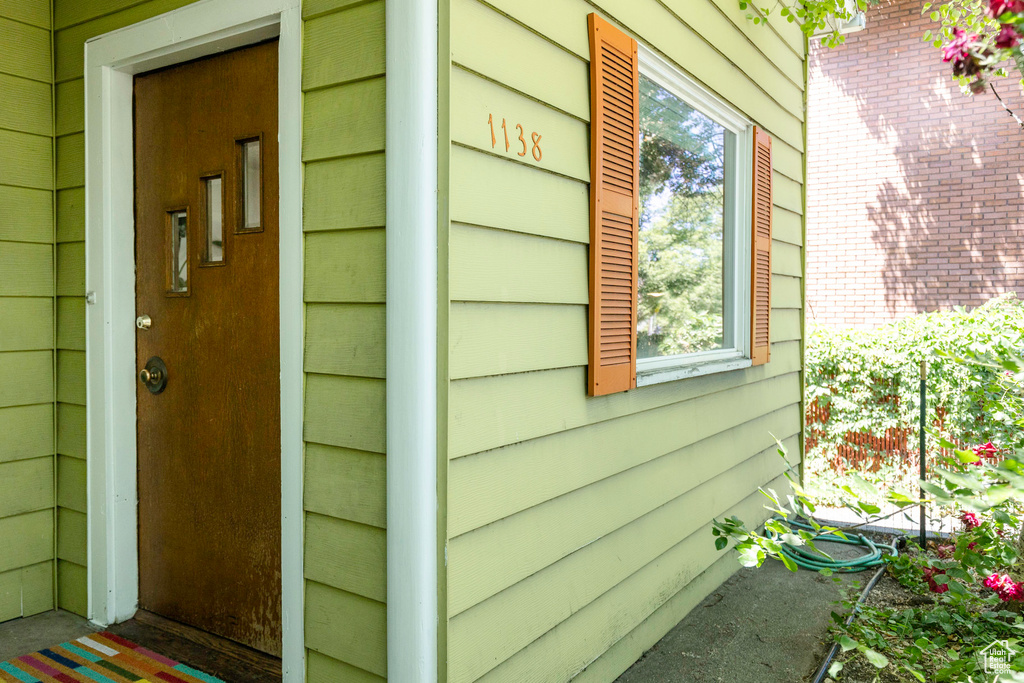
[
  {"x": 997, "y": 8},
  {"x": 970, "y": 520},
  {"x": 1006, "y": 588},
  {"x": 986, "y": 450},
  {"x": 944, "y": 551},
  {"x": 1007, "y": 38},
  {"x": 958, "y": 49}
]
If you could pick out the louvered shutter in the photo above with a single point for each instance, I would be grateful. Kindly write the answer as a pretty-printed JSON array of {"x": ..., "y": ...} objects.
[
  {"x": 761, "y": 251},
  {"x": 614, "y": 207}
]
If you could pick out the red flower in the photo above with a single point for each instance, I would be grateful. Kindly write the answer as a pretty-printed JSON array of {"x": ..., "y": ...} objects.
[
  {"x": 1006, "y": 588},
  {"x": 970, "y": 520},
  {"x": 997, "y": 8},
  {"x": 986, "y": 450},
  {"x": 1007, "y": 38},
  {"x": 930, "y": 573},
  {"x": 958, "y": 49}
]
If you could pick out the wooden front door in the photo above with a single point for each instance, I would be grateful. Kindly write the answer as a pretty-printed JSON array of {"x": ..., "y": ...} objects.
[{"x": 207, "y": 351}]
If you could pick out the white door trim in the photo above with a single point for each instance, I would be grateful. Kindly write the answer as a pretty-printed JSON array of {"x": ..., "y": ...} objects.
[{"x": 111, "y": 60}]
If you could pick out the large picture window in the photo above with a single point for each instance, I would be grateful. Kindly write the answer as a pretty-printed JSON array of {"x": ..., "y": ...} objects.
[{"x": 693, "y": 296}]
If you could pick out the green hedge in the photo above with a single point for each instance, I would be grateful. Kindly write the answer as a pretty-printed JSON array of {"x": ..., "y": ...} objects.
[{"x": 862, "y": 389}]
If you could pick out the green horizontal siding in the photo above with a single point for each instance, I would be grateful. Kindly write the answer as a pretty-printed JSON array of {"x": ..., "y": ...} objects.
[
  {"x": 26, "y": 214},
  {"x": 26, "y": 50},
  {"x": 27, "y": 310},
  {"x": 26, "y": 486},
  {"x": 522, "y": 615},
  {"x": 26, "y": 323},
  {"x": 362, "y": 497},
  {"x": 26, "y": 591},
  {"x": 343, "y": 220},
  {"x": 344, "y": 46},
  {"x": 490, "y": 559},
  {"x": 565, "y": 650},
  {"x": 27, "y": 430},
  {"x": 26, "y": 105},
  {"x": 497, "y": 265},
  {"x": 322, "y": 669},
  {"x": 360, "y": 179},
  {"x": 28, "y": 12},
  {"x": 347, "y": 627},
  {"x": 27, "y": 540},
  {"x": 577, "y": 527},
  {"x": 346, "y": 555},
  {"x": 72, "y": 587},
  {"x": 27, "y": 495}
]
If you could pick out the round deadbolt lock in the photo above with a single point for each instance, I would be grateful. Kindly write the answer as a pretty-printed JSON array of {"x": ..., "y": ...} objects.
[{"x": 154, "y": 375}]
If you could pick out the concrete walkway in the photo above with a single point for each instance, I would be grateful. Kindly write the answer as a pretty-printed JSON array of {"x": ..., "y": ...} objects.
[
  {"x": 24, "y": 636},
  {"x": 766, "y": 625}
]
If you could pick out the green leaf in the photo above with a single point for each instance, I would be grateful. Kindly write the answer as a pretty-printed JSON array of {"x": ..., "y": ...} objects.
[
  {"x": 721, "y": 542},
  {"x": 916, "y": 674},
  {"x": 958, "y": 573},
  {"x": 788, "y": 561},
  {"x": 876, "y": 658},
  {"x": 835, "y": 668},
  {"x": 868, "y": 507},
  {"x": 966, "y": 457},
  {"x": 847, "y": 643}
]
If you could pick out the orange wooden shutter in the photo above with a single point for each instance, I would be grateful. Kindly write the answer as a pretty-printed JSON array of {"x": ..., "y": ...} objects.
[
  {"x": 761, "y": 251},
  {"x": 614, "y": 207}
]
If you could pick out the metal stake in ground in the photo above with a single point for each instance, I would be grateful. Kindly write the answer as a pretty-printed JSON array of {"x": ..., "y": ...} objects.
[{"x": 921, "y": 447}]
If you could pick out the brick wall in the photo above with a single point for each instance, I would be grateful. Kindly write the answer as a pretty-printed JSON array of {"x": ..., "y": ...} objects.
[{"x": 914, "y": 190}]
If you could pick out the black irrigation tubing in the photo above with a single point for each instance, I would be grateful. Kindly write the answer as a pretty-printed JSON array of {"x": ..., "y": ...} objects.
[{"x": 823, "y": 669}]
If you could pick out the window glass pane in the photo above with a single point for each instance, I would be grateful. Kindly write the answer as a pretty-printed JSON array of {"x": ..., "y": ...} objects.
[
  {"x": 214, "y": 220},
  {"x": 251, "y": 184},
  {"x": 682, "y": 226},
  {"x": 179, "y": 251}
]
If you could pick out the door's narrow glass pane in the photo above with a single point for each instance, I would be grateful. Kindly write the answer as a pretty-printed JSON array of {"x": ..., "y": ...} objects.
[
  {"x": 251, "y": 185},
  {"x": 179, "y": 251},
  {"x": 213, "y": 198}
]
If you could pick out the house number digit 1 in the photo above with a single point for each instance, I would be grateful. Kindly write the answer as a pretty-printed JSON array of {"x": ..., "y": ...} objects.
[{"x": 535, "y": 136}]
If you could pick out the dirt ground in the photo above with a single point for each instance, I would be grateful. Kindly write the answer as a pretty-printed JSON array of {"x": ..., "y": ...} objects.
[{"x": 888, "y": 592}]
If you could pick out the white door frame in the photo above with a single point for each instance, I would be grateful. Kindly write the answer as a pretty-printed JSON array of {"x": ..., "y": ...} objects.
[{"x": 111, "y": 60}]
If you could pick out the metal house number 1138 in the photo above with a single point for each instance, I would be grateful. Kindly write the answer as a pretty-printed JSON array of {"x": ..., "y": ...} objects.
[{"x": 516, "y": 140}]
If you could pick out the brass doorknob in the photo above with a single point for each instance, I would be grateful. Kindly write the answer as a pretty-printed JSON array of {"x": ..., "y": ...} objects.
[
  {"x": 154, "y": 375},
  {"x": 148, "y": 377}
]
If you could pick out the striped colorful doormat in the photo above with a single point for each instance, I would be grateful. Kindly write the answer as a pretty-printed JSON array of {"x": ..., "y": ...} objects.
[{"x": 99, "y": 658}]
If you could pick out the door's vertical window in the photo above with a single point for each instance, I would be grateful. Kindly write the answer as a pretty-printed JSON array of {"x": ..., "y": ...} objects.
[
  {"x": 179, "y": 250},
  {"x": 252, "y": 184},
  {"x": 213, "y": 200}
]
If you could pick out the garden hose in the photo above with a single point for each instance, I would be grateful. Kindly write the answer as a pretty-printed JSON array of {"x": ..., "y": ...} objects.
[
  {"x": 875, "y": 556},
  {"x": 822, "y": 673}
]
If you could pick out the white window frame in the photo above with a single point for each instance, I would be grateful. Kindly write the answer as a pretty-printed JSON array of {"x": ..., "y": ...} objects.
[
  {"x": 736, "y": 279},
  {"x": 111, "y": 61}
]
